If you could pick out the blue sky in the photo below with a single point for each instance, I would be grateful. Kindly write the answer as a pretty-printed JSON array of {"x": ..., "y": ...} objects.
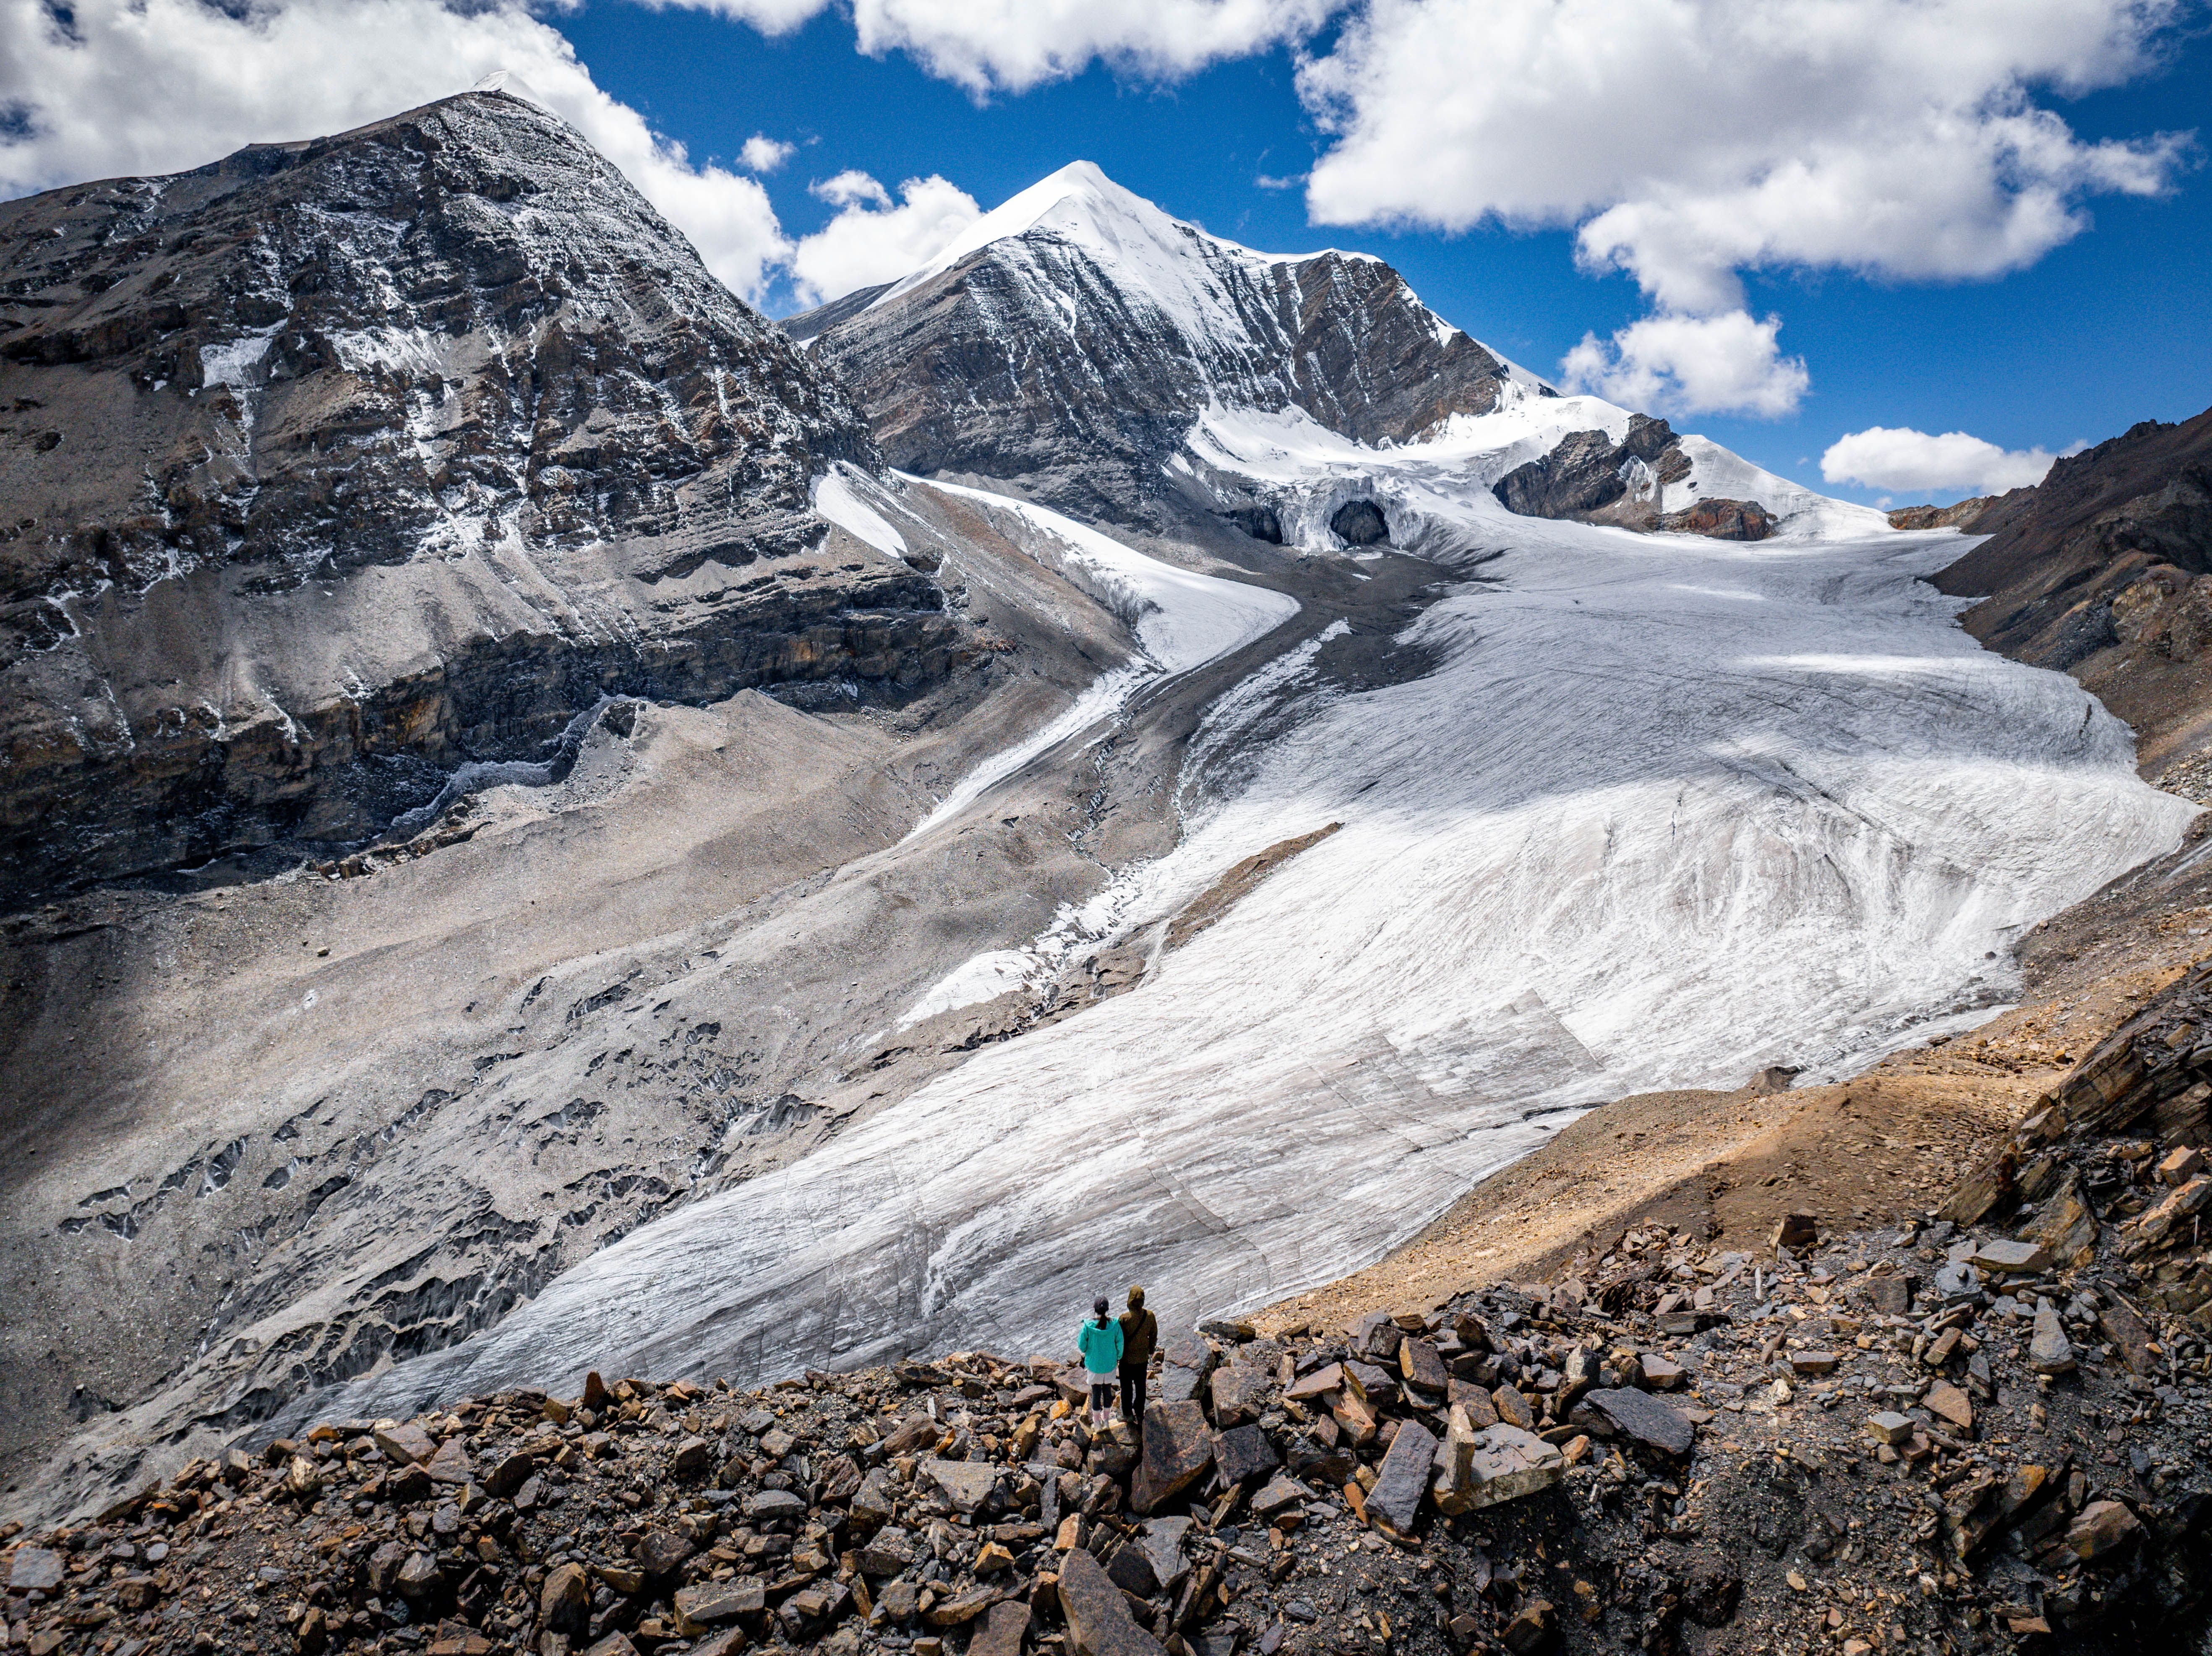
[{"x": 2111, "y": 327}]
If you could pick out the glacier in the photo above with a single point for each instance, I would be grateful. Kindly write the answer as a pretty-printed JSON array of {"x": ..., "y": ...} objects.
[{"x": 1662, "y": 810}]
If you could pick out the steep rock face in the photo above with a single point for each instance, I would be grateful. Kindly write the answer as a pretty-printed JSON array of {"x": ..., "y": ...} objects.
[
  {"x": 1590, "y": 478},
  {"x": 2105, "y": 570},
  {"x": 1072, "y": 338},
  {"x": 335, "y": 465}
]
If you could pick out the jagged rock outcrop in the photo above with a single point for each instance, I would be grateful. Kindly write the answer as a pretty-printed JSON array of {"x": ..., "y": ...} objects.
[
  {"x": 1590, "y": 478},
  {"x": 1721, "y": 520},
  {"x": 1959, "y": 514},
  {"x": 333, "y": 465},
  {"x": 2138, "y": 507},
  {"x": 1073, "y": 337}
]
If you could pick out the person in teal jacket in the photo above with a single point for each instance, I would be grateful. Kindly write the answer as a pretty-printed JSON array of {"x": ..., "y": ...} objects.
[{"x": 1099, "y": 1340}]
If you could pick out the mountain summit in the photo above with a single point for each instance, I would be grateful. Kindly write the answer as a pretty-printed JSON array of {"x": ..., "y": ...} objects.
[
  {"x": 1107, "y": 359},
  {"x": 1073, "y": 337}
]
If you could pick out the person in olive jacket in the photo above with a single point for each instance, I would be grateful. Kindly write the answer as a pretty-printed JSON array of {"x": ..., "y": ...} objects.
[
  {"x": 1140, "y": 1333},
  {"x": 1099, "y": 1341}
]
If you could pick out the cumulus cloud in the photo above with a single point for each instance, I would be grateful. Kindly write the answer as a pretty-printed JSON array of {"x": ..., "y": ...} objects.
[
  {"x": 1688, "y": 140},
  {"x": 765, "y": 154},
  {"x": 873, "y": 239},
  {"x": 109, "y": 87},
  {"x": 1010, "y": 46},
  {"x": 1899, "y": 457},
  {"x": 1691, "y": 365}
]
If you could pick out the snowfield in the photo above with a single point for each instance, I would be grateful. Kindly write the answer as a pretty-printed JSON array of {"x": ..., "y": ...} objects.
[{"x": 1666, "y": 811}]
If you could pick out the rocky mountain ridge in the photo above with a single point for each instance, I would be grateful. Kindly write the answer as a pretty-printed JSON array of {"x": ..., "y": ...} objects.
[
  {"x": 1071, "y": 338},
  {"x": 335, "y": 466},
  {"x": 2103, "y": 570}
]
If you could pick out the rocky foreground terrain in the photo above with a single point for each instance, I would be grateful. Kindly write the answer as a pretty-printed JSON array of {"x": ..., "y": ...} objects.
[{"x": 1989, "y": 1428}]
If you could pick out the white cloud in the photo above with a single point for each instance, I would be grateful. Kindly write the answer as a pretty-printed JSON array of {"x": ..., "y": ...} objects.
[
  {"x": 871, "y": 240},
  {"x": 1691, "y": 365},
  {"x": 1901, "y": 459},
  {"x": 155, "y": 85},
  {"x": 764, "y": 155},
  {"x": 1692, "y": 139},
  {"x": 1010, "y": 46}
]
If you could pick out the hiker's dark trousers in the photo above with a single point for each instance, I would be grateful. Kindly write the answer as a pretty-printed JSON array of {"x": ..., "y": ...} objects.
[{"x": 1133, "y": 1395}]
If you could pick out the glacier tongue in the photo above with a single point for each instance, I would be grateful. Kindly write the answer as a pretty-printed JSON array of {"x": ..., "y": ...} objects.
[{"x": 1665, "y": 809}]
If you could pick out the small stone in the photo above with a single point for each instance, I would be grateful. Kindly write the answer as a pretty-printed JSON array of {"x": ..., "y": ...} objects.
[
  {"x": 419, "y": 1577},
  {"x": 992, "y": 1559},
  {"x": 1797, "y": 1230},
  {"x": 1177, "y": 1449},
  {"x": 768, "y": 1506},
  {"x": 451, "y": 1464},
  {"x": 2049, "y": 1351},
  {"x": 1004, "y": 1628},
  {"x": 1421, "y": 1367},
  {"x": 509, "y": 1476},
  {"x": 564, "y": 1602},
  {"x": 1890, "y": 1427},
  {"x": 1661, "y": 1374},
  {"x": 1640, "y": 1417},
  {"x": 1278, "y": 1493},
  {"x": 1947, "y": 1400},
  {"x": 966, "y": 1484},
  {"x": 662, "y": 1552},
  {"x": 692, "y": 1458},
  {"x": 1229, "y": 1328},
  {"x": 2101, "y": 1527},
  {"x": 1532, "y": 1630},
  {"x": 1891, "y": 1296},
  {"x": 36, "y": 1569},
  {"x": 1403, "y": 1478},
  {"x": 1513, "y": 1408},
  {"x": 2182, "y": 1166},
  {"x": 404, "y": 1445},
  {"x": 1813, "y": 1363},
  {"x": 898, "y": 1601},
  {"x": 1242, "y": 1452},
  {"x": 2011, "y": 1258},
  {"x": 303, "y": 1479},
  {"x": 1098, "y": 1619},
  {"x": 1242, "y": 1391},
  {"x": 711, "y": 1604},
  {"x": 775, "y": 1443}
]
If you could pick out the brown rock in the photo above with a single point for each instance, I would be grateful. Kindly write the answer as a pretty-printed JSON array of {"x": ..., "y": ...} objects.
[
  {"x": 451, "y": 1464},
  {"x": 1513, "y": 1408},
  {"x": 1098, "y": 1619},
  {"x": 1177, "y": 1450},
  {"x": 1797, "y": 1230},
  {"x": 1422, "y": 1367},
  {"x": 564, "y": 1602},
  {"x": 2102, "y": 1527},
  {"x": 405, "y": 1444},
  {"x": 1402, "y": 1479},
  {"x": 711, "y": 1604},
  {"x": 2128, "y": 1334},
  {"x": 1243, "y": 1452},
  {"x": 661, "y": 1552},
  {"x": 509, "y": 1476},
  {"x": 1533, "y": 1630},
  {"x": 1003, "y": 1630},
  {"x": 1947, "y": 1400}
]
